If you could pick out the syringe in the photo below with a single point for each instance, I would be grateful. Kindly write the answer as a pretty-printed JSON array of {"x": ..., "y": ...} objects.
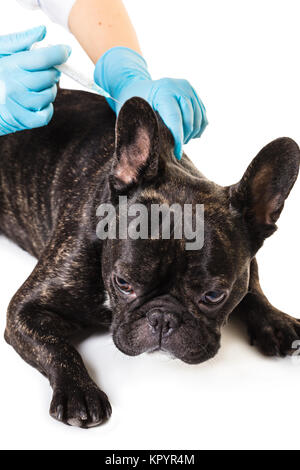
[
  {"x": 83, "y": 80},
  {"x": 78, "y": 77}
]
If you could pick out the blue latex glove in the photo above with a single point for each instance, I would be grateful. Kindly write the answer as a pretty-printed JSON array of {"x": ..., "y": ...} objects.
[
  {"x": 28, "y": 80},
  {"x": 124, "y": 74}
]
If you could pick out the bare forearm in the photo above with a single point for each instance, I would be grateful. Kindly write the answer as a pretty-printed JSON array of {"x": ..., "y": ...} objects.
[{"x": 99, "y": 25}]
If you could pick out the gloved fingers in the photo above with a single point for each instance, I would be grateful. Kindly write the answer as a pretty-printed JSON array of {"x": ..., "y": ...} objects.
[
  {"x": 35, "y": 101},
  {"x": 17, "y": 42},
  {"x": 8, "y": 124},
  {"x": 189, "y": 117},
  {"x": 203, "y": 118},
  {"x": 38, "y": 81},
  {"x": 170, "y": 112},
  {"x": 44, "y": 58},
  {"x": 30, "y": 119}
]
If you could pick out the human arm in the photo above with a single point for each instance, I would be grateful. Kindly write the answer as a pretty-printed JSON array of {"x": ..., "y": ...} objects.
[{"x": 104, "y": 30}]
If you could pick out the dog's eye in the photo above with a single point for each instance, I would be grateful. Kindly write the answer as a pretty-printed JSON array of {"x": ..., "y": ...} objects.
[
  {"x": 213, "y": 297},
  {"x": 123, "y": 286}
]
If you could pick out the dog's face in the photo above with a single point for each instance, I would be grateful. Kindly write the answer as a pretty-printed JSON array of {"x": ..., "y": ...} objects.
[{"x": 162, "y": 295}]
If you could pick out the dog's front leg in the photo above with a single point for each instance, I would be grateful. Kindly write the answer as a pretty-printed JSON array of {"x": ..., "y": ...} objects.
[
  {"x": 273, "y": 331},
  {"x": 40, "y": 334}
]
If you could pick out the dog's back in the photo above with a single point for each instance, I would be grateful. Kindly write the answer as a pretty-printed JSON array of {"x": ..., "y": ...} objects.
[{"x": 44, "y": 170}]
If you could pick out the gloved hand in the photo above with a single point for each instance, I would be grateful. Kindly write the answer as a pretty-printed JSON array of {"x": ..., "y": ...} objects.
[
  {"x": 124, "y": 74},
  {"x": 28, "y": 80}
]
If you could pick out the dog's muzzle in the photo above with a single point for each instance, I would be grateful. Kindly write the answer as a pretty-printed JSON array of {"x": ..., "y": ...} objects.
[{"x": 162, "y": 323}]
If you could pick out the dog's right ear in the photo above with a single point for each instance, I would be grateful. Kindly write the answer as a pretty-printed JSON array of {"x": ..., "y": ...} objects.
[{"x": 137, "y": 145}]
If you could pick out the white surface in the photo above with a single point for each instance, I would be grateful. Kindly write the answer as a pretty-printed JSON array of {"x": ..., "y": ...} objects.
[{"x": 243, "y": 58}]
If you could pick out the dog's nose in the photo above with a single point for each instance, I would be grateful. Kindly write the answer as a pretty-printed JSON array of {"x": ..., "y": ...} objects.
[{"x": 163, "y": 323}]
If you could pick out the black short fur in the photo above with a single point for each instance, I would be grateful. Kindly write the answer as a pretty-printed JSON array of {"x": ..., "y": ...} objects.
[{"x": 51, "y": 182}]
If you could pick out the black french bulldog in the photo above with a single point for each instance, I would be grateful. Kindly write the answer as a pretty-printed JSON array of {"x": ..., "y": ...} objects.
[{"x": 161, "y": 296}]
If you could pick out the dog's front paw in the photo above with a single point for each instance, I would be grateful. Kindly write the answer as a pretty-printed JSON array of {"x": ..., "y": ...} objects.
[
  {"x": 276, "y": 334},
  {"x": 84, "y": 407}
]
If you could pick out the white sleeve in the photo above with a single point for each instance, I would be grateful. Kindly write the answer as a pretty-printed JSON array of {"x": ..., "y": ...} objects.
[{"x": 57, "y": 10}]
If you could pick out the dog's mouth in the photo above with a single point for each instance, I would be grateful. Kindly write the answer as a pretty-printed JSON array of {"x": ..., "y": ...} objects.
[
  {"x": 197, "y": 357},
  {"x": 182, "y": 341}
]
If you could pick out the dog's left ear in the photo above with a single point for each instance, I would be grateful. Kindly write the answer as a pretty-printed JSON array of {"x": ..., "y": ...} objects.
[
  {"x": 137, "y": 145},
  {"x": 261, "y": 193}
]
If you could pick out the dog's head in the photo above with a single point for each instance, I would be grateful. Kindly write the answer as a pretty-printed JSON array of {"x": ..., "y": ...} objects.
[{"x": 162, "y": 295}]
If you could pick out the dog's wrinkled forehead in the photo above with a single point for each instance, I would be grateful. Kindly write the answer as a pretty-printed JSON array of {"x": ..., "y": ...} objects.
[
  {"x": 145, "y": 261},
  {"x": 223, "y": 242},
  {"x": 151, "y": 261}
]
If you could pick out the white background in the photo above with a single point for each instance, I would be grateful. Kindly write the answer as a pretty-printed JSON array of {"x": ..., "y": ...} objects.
[{"x": 243, "y": 59}]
